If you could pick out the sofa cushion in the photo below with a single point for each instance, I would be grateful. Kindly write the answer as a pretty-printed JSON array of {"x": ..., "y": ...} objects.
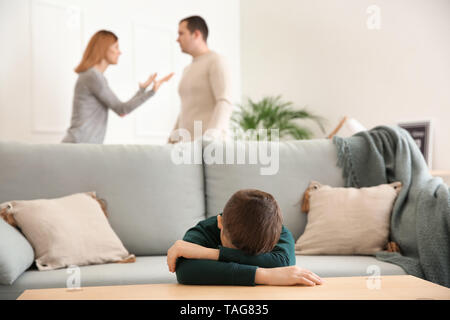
[
  {"x": 71, "y": 230},
  {"x": 348, "y": 266},
  {"x": 145, "y": 270},
  {"x": 299, "y": 162},
  {"x": 16, "y": 253},
  {"x": 148, "y": 270},
  {"x": 347, "y": 220},
  {"x": 151, "y": 200}
]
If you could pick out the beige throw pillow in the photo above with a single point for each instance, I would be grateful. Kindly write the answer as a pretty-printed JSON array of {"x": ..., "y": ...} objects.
[
  {"x": 71, "y": 230},
  {"x": 346, "y": 221}
]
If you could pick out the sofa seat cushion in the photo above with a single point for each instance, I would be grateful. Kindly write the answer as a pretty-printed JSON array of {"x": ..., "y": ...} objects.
[
  {"x": 347, "y": 266},
  {"x": 146, "y": 270}
]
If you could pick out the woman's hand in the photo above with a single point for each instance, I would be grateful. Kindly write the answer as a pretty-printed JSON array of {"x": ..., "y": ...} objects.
[
  {"x": 170, "y": 141},
  {"x": 150, "y": 79},
  {"x": 157, "y": 83}
]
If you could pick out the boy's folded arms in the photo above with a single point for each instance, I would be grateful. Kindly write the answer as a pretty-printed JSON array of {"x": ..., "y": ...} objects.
[{"x": 245, "y": 245}]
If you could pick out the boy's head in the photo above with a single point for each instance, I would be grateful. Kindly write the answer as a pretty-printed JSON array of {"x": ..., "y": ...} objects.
[{"x": 251, "y": 221}]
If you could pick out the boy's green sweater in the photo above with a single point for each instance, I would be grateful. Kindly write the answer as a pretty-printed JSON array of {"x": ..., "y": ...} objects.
[{"x": 234, "y": 267}]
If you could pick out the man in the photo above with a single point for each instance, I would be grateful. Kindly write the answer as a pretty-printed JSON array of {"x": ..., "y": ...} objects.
[
  {"x": 205, "y": 85},
  {"x": 245, "y": 245}
]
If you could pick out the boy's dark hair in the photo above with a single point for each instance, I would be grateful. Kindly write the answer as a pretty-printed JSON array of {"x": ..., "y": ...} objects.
[
  {"x": 197, "y": 23},
  {"x": 252, "y": 221}
]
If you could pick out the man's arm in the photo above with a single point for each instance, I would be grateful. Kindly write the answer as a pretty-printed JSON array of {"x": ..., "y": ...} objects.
[{"x": 219, "y": 78}]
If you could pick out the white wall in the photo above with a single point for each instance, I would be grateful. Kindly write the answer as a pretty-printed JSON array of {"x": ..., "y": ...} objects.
[
  {"x": 321, "y": 54},
  {"x": 318, "y": 54},
  {"x": 42, "y": 42}
]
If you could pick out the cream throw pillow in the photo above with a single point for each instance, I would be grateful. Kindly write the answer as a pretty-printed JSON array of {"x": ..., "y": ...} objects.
[
  {"x": 347, "y": 221},
  {"x": 71, "y": 230}
]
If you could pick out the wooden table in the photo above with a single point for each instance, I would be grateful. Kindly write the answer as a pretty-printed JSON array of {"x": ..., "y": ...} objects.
[{"x": 343, "y": 288}]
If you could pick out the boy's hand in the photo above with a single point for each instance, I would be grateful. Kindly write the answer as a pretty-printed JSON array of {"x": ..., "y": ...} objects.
[
  {"x": 190, "y": 251},
  {"x": 286, "y": 276}
]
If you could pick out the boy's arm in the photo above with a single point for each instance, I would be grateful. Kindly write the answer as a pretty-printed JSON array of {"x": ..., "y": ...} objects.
[
  {"x": 210, "y": 272},
  {"x": 195, "y": 263},
  {"x": 283, "y": 254},
  {"x": 197, "y": 243},
  {"x": 195, "y": 247},
  {"x": 189, "y": 250}
]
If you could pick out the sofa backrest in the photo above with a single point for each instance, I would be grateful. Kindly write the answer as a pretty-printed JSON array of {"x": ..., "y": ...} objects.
[
  {"x": 299, "y": 162},
  {"x": 151, "y": 200}
]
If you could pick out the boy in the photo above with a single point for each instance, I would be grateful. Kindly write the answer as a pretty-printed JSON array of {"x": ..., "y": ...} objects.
[{"x": 245, "y": 245}]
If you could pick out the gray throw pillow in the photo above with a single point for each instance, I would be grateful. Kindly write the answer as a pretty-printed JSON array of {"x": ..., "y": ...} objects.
[{"x": 16, "y": 253}]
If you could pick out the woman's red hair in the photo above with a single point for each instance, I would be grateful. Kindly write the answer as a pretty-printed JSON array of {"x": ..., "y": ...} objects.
[{"x": 96, "y": 49}]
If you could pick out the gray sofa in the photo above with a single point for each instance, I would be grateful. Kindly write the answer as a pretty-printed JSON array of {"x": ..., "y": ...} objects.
[{"x": 152, "y": 200}]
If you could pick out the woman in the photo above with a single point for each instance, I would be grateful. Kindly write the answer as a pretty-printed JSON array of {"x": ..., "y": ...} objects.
[{"x": 93, "y": 97}]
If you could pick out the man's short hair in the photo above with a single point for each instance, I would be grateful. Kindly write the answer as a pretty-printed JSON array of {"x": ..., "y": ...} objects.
[
  {"x": 197, "y": 23},
  {"x": 252, "y": 221}
]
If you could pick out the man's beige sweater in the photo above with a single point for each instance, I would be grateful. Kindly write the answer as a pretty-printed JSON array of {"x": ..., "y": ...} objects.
[{"x": 205, "y": 92}]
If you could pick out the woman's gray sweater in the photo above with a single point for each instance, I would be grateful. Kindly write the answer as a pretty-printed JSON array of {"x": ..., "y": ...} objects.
[{"x": 91, "y": 101}]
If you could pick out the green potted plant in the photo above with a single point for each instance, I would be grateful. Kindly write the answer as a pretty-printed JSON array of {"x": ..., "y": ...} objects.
[{"x": 273, "y": 113}]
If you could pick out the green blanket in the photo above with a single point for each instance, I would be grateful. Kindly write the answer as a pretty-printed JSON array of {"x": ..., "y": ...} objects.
[{"x": 420, "y": 220}]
